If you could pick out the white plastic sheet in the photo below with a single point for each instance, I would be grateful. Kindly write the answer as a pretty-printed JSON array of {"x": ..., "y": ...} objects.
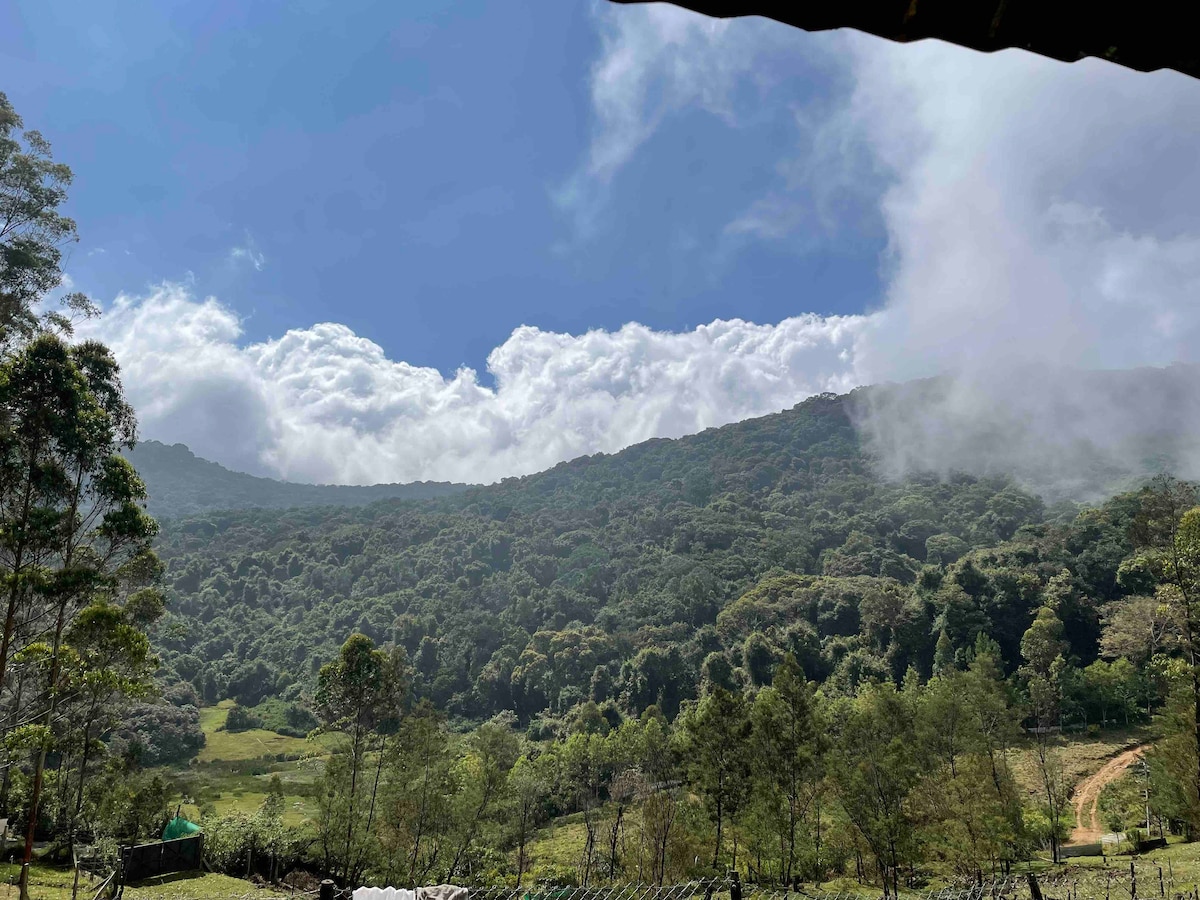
[
  {"x": 384, "y": 893},
  {"x": 436, "y": 892}
]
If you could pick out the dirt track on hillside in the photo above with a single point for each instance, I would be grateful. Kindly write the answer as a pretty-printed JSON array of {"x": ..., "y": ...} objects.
[{"x": 1087, "y": 797}]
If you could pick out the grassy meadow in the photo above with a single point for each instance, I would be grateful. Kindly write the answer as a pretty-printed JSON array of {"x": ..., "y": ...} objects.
[
  {"x": 55, "y": 884},
  {"x": 234, "y": 771}
]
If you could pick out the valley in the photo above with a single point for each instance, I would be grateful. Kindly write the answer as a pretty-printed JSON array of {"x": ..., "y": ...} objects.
[{"x": 576, "y": 637}]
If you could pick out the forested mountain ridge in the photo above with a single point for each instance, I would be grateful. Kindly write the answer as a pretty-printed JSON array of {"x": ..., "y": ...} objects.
[
  {"x": 614, "y": 578},
  {"x": 179, "y": 483}
]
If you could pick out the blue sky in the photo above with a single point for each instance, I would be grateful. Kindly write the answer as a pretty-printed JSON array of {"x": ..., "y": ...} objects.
[
  {"x": 362, "y": 242},
  {"x": 398, "y": 168}
]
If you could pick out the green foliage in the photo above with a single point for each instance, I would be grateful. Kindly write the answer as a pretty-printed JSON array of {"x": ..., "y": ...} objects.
[
  {"x": 77, "y": 575},
  {"x": 290, "y": 718},
  {"x": 712, "y": 737},
  {"x": 877, "y": 765},
  {"x": 243, "y": 845},
  {"x": 126, "y": 805},
  {"x": 615, "y": 577},
  {"x": 361, "y": 694},
  {"x": 157, "y": 734},
  {"x": 241, "y": 719},
  {"x": 76, "y": 569},
  {"x": 33, "y": 232}
]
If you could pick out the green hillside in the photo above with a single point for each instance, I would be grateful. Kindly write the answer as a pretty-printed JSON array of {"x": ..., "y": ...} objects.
[
  {"x": 613, "y": 576},
  {"x": 741, "y": 645}
]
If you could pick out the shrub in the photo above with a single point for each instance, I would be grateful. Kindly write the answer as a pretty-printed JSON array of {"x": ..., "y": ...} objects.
[
  {"x": 241, "y": 719},
  {"x": 159, "y": 734},
  {"x": 285, "y": 717}
]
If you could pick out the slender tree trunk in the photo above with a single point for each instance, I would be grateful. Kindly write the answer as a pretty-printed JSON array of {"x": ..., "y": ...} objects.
[
  {"x": 52, "y": 687},
  {"x": 521, "y": 838},
  {"x": 717, "y": 847},
  {"x": 782, "y": 859},
  {"x": 355, "y": 761},
  {"x": 612, "y": 843},
  {"x": 421, "y": 819},
  {"x": 820, "y": 873},
  {"x": 14, "y": 589},
  {"x": 470, "y": 838},
  {"x": 40, "y": 765},
  {"x": 371, "y": 807},
  {"x": 29, "y": 832},
  {"x": 83, "y": 764}
]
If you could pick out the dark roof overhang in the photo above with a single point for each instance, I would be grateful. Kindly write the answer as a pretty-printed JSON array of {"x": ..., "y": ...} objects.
[{"x": 1145, "y": 35}]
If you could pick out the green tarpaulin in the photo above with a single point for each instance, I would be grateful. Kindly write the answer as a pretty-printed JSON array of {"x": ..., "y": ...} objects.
[{"x": 179, "y": 827}]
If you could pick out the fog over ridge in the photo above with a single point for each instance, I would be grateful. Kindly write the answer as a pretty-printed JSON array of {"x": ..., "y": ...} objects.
[
  {"x": 1076, "y": 434},
  {"x": 1045, "y": 266}
]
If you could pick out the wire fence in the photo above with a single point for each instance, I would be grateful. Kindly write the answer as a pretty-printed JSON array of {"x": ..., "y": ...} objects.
[
  {"x": 709, "y": 889},
  {"x": 1140, "y": 880}
]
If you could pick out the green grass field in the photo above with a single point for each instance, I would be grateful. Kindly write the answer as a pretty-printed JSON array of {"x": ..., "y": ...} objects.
[
  {"x": 218, "y": 788},
  {"x": 231, "y": 746},
  {"x": 55, "y": 884},
  {"x": 234, "y": 771}
]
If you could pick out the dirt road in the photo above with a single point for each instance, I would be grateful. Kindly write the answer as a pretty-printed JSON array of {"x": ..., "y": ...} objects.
[{"x": 1087, "y": 796}]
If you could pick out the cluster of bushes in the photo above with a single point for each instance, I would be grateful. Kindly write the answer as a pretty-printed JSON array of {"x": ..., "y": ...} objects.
[{"x": 283, "y": 717}]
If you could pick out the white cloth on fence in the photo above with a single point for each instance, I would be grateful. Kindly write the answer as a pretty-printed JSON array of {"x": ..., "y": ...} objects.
[
  {"x": 437, "y": 892},
  {"x": 442, "y": 892},
  {"x": 387, "y": 893}
]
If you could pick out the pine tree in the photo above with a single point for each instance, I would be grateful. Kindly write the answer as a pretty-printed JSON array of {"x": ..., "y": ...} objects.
[{"x": 943, "y": 654}]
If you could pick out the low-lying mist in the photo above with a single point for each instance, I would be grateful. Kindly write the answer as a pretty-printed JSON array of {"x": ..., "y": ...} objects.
[{"x": 1066, "y": 434}]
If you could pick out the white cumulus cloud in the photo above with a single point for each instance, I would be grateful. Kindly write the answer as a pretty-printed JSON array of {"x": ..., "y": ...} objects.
[
  {"x": 326, "y": 405},
  {"x": 1039, "y": 211},
  {"x": 1035, "y": 210}
]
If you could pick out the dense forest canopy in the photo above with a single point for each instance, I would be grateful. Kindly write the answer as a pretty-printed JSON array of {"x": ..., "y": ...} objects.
[
  {"x": 614, "y": 578},
  {"x": 747, "y": 638}
]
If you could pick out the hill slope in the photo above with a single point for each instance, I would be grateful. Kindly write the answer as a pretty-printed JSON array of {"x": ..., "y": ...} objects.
[
  {"x": 181, "y": 483},
  {"x": 627, "y": 578}
]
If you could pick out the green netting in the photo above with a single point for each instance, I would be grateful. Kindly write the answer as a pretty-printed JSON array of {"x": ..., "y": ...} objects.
[{"x": 179, "y": 827}]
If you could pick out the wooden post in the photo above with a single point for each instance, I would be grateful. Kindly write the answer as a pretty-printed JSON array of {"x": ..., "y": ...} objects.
[
  {"x": 327, "y": 890},
  {"x": 1035, "y": 890},
  {"x": 735, "y": 885},
  {"x": 1132, "y": 881},
  {"x": 1162, "y": 888}
]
